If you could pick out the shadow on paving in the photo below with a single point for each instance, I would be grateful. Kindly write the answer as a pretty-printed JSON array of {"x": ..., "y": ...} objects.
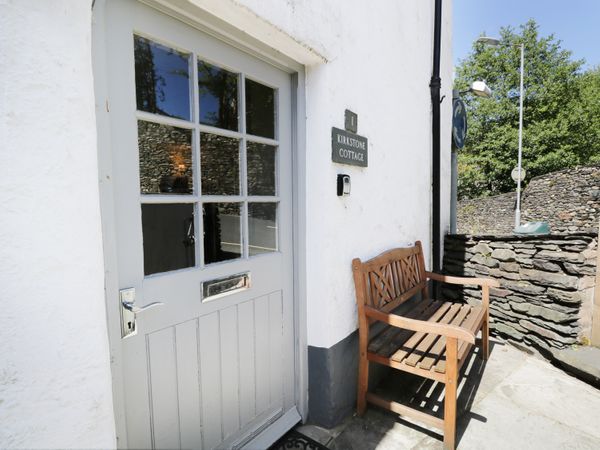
[{"x": 373, "y": 429}]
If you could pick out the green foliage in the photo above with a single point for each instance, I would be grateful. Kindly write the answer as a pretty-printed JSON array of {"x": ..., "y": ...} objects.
[{"x": 561, "y": 119}]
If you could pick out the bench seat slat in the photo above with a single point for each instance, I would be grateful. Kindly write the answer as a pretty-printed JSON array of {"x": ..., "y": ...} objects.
[
  {"x": 389, "y": 339},
  {"x": 472, "y": 323},
  {"x": 423, "y": 348},
  {"x": 440, "y": 345},
  {"x": 414, "y": 340},
  {"x": 426, "y": 350}
]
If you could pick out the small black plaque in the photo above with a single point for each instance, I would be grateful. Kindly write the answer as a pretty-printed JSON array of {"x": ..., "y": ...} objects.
[
  {"x": 349, "y": 148},
  {"x": 351, "y": 121}
]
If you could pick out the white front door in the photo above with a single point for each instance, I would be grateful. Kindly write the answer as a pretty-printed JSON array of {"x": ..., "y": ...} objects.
[{"x": 200, "y": 142}]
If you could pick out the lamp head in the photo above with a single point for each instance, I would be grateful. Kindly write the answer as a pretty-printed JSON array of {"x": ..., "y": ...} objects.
[
  {"x": 488, "y": 41},
  {"x": 480, "y": 89}
]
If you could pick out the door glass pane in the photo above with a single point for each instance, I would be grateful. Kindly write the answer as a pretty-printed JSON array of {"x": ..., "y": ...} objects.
[
  {"x": 162, "y": 79},
  {"x": 260, "y": 109},
  {"x": 165, "y": 154},
  {"x": 218, "y": 91},
  {"x": 168, "y": 232},
  {"x": 220, "y": 165},
  {"x": 261, "y": 169},
  {"x": 262, "y": 228},
  {"x": 222, "y": 231}
]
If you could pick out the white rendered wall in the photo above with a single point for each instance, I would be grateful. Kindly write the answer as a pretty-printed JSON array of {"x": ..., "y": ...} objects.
[
  {"x": 55, "y": 381},
  {"x": 379, "y": 66}
]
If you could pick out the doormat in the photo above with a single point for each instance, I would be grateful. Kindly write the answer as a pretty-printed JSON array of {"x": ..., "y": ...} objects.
[{"x": 293, "y": 440}]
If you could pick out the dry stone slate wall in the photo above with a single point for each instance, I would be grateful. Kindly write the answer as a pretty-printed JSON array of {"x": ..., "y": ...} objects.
[
  {"x": 569, "y": 200},
  {"x": 547, "y": 283},
  {"x": 487, "y": 214}
]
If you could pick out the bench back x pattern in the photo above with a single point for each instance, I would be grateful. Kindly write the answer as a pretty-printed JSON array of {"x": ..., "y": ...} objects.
[{"x": 391, "y": 278}]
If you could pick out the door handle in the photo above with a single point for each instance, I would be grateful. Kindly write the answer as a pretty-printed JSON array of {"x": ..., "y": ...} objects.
[
  {"x": 129, "y": 311},
  {"x": 131, "y": 306}
]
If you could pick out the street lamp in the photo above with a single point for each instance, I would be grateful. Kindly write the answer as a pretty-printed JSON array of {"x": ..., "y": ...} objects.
[{"x": 494, "y": 43}]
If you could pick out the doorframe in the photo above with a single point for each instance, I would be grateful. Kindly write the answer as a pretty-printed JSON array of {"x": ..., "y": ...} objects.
[{"x": 237, "y": 38}]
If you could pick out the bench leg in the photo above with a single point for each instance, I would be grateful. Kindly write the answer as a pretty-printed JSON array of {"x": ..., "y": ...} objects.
[
  {"x": 450, "y": 394},
  {"x": 363, "y": 382},
  {"x": 485, "y": 340},
  {"x": 363, "y": 371}
]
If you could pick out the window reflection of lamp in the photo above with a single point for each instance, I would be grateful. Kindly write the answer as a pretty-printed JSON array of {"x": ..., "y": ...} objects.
[{"x": 176, "y": 181}]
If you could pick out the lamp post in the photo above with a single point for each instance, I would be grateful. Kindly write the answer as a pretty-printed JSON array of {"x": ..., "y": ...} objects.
[{"x": 494, "y": 43}]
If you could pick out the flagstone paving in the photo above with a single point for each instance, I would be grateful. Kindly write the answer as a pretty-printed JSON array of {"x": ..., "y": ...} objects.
[{"x": 518, "y": 402}]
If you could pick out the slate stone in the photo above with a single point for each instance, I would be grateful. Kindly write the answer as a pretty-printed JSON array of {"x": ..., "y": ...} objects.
[
  {"x": 478, "y": 268},
  {"x": 526, "y": 251},
  {"x": 579, "y": 269},
  {"x": 569, "y": 331},
  {"x": 508, "y": 331},
  {"x": 522, "y": 245},
  {"x": 509, "y": 267},
  {"x": 483, "y": 249},
  {"x": 553, "y": 247},
  {"x": 560, "y": 256},
  {"x": 546, "y": 265},
  {"x": 485, "y": 261},
  {"x": 540, "y": 311},
  {"x": 584, "y": 362},
  {"x": 550, "y": 279},
  {"x": 557, "y": 295},
  {"x": 500, "y": 245},
  {"x": 525, "y": 262},
  {"x": 497, "y": 273},
  {"x": 524, "y": 287},
  {"x": 589, "y": 253},
  {"x": 503, "y": 254},
  {"x": 537, "y": 342},
  {"x": 498, "y": 292},
  {"x": 545, "y": 333}
]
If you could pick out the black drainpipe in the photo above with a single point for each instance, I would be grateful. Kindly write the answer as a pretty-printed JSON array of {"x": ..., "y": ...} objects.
[{"x": 435, "y": 86}]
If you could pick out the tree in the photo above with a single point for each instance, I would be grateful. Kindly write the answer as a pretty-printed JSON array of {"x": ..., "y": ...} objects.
[{"x": 561, "y": 122}]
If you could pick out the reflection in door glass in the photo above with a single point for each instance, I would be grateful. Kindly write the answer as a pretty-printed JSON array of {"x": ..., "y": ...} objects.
[
  {"x": 222, "y": 231},
  {"x": 262, "y": 228},
  {"x": 261, "y": 168},
  {"x": 162, "y": 77},
  {"x": 165, "y": 154},
  {"x": 260, "y": 109},
  {"x": 220, "y": 165},
  {"x": 218, "y": 91},
  {"x": 168, "y": 233}
]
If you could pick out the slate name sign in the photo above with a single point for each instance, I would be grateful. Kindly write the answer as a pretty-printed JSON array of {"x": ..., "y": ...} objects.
[{"x": 349, "y": 148}]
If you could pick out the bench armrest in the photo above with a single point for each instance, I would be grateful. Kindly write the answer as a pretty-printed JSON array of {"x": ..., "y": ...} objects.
[
  {"x": 489, "y": 282},
  {"x": 446, "y": 330}
]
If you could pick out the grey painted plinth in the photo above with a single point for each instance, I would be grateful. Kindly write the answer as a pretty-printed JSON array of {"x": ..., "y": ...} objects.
[{"x": 332, "y": 381}]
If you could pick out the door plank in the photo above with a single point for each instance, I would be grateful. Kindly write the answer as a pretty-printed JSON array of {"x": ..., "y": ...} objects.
[
  {"x": 188, "y": 387},
  {"x": 246, "y": 374},
  {"x": 228, "y": 321},
  {"x": 275, "y": 342},
  {"x": 210, "y": 376},
  {"x": 262, "y": 354},
  {"x": 163, "y": 387}
]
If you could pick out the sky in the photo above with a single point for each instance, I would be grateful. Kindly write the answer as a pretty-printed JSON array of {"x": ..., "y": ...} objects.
[{"x": 575, "y": 22}]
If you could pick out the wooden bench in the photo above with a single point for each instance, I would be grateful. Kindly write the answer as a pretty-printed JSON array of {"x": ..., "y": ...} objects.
[{"x": 431, "y": 339}]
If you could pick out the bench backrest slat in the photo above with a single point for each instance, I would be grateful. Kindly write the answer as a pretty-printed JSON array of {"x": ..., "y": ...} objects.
[{"x": 388, "y": 280}]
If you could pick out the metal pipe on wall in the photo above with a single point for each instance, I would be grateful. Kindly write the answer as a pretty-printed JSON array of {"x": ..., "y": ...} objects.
[{"x": 435, "y": 86}]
